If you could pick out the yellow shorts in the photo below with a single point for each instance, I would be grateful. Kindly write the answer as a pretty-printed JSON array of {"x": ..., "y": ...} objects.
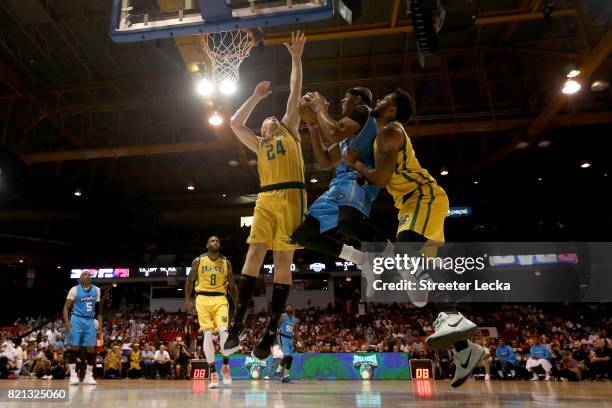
[
  {"x": 424, "y": 212},
  {"x": 277, "y": 215},
  {"x": 212, "y": 312}
]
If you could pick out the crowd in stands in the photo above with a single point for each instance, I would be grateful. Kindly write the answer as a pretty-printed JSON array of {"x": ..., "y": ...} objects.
[{"x": 548, "y": 341}]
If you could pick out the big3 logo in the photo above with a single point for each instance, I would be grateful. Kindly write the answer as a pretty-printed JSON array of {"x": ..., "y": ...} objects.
[
  {"x": 365, "y": 365},
  {"x": 255, "y": 366}
]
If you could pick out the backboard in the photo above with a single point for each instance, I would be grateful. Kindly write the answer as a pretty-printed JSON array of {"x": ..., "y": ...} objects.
[{"x": 140, "y": 20}]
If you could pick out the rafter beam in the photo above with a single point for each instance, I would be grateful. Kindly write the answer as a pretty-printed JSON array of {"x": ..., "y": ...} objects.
[{"x": 215, "y": 145}]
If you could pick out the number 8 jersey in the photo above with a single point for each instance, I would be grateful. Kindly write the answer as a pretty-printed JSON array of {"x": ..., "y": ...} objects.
[{"x": 212, "y": 275}]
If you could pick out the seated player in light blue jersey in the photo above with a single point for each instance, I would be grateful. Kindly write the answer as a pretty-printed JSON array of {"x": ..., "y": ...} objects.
[
  {"x": 347, "y": 203},
  {"x": 84, "y": 299},
  {"x": 286, "y": 333}
]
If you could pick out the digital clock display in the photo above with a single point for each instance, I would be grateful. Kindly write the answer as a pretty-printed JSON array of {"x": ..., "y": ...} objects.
[
  {"x": 421, "y": 369},
  {"x": 199, "y": 370}
]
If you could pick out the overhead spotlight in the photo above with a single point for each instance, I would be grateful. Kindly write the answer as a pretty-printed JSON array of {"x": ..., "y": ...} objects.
[
  {"x": 599, "y": 85},
  {"x": 476, "y": 181},
  {"x": 215, "y": 119},
  {"x": 114, "y": 284},
  {"x": 252, "y": 162},
  {"x": 348, "y": 279},
  {"x": 585, "y": 164},
  {"x": 544, "y": 143},
  {"x": 191, "y": 186},
  {"x": 573, "y": 73},
  {"x": 59, "y": 267},
  {"x": 77, "y": 192},
  {"x": 179, "y": 289},
  {"x": 522, "y": 144},
  {"x": 444, "y": 171},
  {"x": 224, "y": 195},
  {"x": 233, "y": 163},
  {"x": 21, "y": 261},
  {"x": 570, "y": 87},
  {"x": 313, "y": 180},
  {"x": 205, "y": 87},
  {"x": 227, "y": 86},
  {"x": 540, "y": 179}
]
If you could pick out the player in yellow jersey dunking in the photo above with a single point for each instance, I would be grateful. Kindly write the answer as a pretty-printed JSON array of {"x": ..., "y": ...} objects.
[
  {"x": 280, "y": 205},
  {"x": 423, "y": 207},
  {"x": 211, "y": 273}
]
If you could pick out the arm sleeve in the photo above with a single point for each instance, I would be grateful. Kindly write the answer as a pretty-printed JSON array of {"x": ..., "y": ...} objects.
[
  {"x": 72, "y": 293},
  {"x": 98, "y": 294},
  {"x": 360, "y": 114}
]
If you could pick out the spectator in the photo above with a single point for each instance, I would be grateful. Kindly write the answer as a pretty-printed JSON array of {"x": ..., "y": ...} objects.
[
  {"x": 58, "y": 344},
  {"x": 162, "y": 362},
  {"x": 539, "y": 356},
  {"x": 486, "y": 360},
  {"x": 135, "y": 360},
  {"x": 41, "y": 364},
  {"x": 148, "y": 361},
  {"x": 569, "y": 368},
  {"x": 57, "y": 369},
  {"x": 112, "y": 363},
  {"x": 600, "y": 361},
  {"x": 507, "y": 359},
  {"x": 51, "y": 334}
]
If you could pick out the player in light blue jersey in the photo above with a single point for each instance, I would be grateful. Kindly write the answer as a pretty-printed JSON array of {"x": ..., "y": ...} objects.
[
  {"x": 81, "y": 326},
  {"x": 286, "y": 333},
  {"x": 347, "y": 203}
]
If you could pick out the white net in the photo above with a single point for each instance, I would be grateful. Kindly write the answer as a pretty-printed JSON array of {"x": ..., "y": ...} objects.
[{"x": 227, "y": 50}]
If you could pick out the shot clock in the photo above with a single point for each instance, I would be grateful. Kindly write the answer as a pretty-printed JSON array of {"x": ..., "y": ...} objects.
[
  {"x": 421, "y": 369},
  {"x": 199, "y": 370}
]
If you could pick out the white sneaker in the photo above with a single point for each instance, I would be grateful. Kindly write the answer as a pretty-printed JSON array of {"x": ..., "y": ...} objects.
[
  {"x": 47, "y": 377},
  {"x": 266, "y": 377},
  {"x": 487, "y": 377},
  {"x": 465, "y": 361},
  {"x": 547, "y": 378},
  {"x": 227, "y": 378},
  {"x": 450, "y": 328},
  {"x": 501, "y": 374},
  {"x": 74, "y": 379},
  {"x": 214, "y": 381},
  {"x": 535, "y": 377}
]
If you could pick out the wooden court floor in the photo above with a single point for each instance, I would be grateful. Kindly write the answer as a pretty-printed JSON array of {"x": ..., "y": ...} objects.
[{"x": 321, "y": 394}]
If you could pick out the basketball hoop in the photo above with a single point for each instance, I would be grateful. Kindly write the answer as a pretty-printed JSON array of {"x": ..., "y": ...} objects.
[{"x": 226, "y": 50}]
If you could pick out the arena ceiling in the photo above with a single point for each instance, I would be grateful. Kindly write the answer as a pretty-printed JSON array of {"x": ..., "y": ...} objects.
[{"x": 122, "y": 123}]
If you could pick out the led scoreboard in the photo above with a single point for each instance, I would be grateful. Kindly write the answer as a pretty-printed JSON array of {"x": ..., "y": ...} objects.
[
  {"x": 199, "y": 370},
  {"x": 421, "y": 369}
]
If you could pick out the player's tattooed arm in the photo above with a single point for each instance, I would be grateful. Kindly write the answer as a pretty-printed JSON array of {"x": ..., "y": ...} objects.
[
  {"x": 292, "y": 119},
  {"x": 231, "y": 284},
  {"x": 190, "y": 283},
  {"x": 238, "y": 121},
  {"x": 390, "y": 142},
  {"x": 332, "y": 130},
  {"x": 67, "y": 306},
  {"x": 326, "y": 156}
]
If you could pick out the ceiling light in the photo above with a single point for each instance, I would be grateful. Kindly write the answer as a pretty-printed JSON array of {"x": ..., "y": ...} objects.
[
  {"x": 205, "y": 87},
  {"x": 313, "y": 180},
  {"x": 476, "y": 181},
  {"x": 444, "y": 171},
  {"x": 233, "y": 163},
  {"x": 77, "y": 192},
  {"x": 215, "y": 119},
  {"x": 522, "y": 144},
  {"x": 544, "y": 143},
  {"x": 21, "y": 261},
  {"x": 585, "y": 164},
  {"x": 59, "y": 267},
  {"x": 114, "y": 285},
  {"x": 179, "y": 289},
  {"x": 570, "y": 87},
  {"x": 599, "y": 85},
  {"x": 223, "y": 195},
  {"x": 227, "y": 86},
  {"x": 573, "y": 73},
  {"x": 348, "y": 279},
  {"x": 191, "y": 186},
  {"x": 540, "y": 178}
]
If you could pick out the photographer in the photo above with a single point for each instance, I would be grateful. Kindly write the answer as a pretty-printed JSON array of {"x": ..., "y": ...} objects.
[{"x": 182, "y": 360}]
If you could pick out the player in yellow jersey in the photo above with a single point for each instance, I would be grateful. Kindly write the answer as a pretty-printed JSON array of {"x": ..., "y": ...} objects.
[
  {"x": 281, "y": 203},
  {"x": 423, "y": 207},
  {"x": 211, "y": 274}
]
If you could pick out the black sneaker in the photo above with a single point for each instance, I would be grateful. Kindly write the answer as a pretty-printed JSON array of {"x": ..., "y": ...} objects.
[
  {"x": 234, "y": 336},
  {"x": 262, "y": 351}
]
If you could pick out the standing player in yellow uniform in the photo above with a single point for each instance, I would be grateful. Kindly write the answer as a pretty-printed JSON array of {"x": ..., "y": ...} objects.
[
  {"x": 423, "y": 207},
  {"x": 211, "y": 273},
  {"x": 280, "y": 205}
]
